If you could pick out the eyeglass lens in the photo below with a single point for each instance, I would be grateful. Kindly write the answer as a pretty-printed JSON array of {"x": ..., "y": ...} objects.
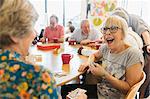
[{"x": 112, "y": 29}]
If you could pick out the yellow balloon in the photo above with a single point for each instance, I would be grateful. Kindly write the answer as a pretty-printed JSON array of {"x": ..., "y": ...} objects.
[{"x": 97, "y": 21}]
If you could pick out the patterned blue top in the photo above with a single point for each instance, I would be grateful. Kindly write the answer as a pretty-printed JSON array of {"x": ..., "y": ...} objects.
[{"x": 19, "y": 79}]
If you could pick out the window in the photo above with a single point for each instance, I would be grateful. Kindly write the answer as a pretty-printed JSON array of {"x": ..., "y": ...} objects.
[
  {"x": 74, "y": 10},
  {"x": 40, "y": 8},
  {"x": 66, "y": 10},
  {"x": 138, "y": 7}
]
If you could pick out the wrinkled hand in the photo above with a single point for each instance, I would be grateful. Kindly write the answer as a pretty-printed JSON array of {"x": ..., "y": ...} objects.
[
  {"x": 77, "y": 94},
  {"x": 42, "y": 40},
  {"x": 83, "y": 67},
  {"x": 99, "y": 40},
  {"x": 92, "y": 45},
  {"x": 82, "y": 96},
  {"x": 97, "y": 70},
  {"x": 85, "y": 41}
]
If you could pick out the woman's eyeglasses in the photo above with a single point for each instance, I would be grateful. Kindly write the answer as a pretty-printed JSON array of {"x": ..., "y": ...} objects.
[{"x": 112, "y": 29}]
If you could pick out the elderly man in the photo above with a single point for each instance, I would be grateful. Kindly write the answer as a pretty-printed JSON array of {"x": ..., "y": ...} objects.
[
  {"x": 85, "y": 34},
  {"x": 54, "y": 31}
]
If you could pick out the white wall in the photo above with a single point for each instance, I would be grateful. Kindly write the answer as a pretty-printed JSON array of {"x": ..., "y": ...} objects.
[
  {"x": 72, "y": 11},
  {"x": 39, "y": 5},
  {"x": 55, "y": 7}
]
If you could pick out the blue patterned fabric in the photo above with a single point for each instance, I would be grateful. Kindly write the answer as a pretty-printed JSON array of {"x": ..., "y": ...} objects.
[{"x": 19, "y": 79}]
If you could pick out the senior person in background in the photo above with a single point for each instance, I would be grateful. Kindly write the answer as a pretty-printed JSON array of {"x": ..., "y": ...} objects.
[
  {"x": 70, "y": 29},
  {"x": 85, "y": 34},
  {"x": 54, "y": 30},
  {"x": 143, "y": 30},
  {"x": 119, "y": 61},
  {"x": 20, "y": 79},
  {"x": 137, "y": 25}
]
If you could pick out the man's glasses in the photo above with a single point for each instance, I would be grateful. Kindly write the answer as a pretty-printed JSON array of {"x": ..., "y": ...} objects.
[{"x": 112, "y": 29}]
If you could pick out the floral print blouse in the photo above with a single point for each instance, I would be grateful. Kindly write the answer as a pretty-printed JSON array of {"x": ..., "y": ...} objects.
[{"x": 21, "y": 80}]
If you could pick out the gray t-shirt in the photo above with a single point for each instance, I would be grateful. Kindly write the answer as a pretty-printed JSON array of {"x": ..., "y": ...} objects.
[
  {"x": 79, "y": 36},
  {"x": 116, "y": 64}
]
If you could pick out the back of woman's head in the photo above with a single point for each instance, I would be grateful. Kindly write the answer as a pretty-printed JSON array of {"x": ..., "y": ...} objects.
[
  {"x": 17, "y": 19},
  {"x": 122, "y": 13},
  {"x": 116, "y": 21}
]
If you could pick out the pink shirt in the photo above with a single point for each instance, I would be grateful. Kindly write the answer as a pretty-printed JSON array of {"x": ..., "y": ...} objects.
[{"x": 57, "y": 32}]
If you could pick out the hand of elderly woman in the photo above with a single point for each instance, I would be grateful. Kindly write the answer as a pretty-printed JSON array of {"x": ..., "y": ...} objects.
[
  {"x": 98, "y": 70},
  {"x": 83, "y": 67},
  {"x": 82, "y": 96},
  {"x": 85, "y": 41},
  {"x": 42, "y": 40},
  {"x": 77, "y": 94}
]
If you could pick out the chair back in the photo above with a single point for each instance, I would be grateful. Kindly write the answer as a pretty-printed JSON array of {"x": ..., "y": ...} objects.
[{"x": 134, "y": 89}]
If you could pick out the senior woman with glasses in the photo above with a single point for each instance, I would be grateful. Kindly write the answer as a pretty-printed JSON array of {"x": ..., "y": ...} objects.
[{"x": 120, "y": 61}]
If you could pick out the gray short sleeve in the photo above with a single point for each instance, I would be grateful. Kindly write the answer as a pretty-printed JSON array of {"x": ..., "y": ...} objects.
[
  {"x": 137, "y": 24},
  {"x": 127, "y": 58},
  {"x": 134, "y": 56}
]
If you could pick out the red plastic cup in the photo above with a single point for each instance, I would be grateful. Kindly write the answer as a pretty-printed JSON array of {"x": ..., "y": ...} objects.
[{"x": 66, "y": 58}]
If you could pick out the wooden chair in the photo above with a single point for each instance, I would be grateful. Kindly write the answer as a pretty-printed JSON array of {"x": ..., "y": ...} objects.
[{"x": 134, "y": 89}]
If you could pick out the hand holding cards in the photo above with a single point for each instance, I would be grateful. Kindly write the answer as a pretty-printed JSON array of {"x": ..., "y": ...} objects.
[
  {"x": 75, "y": 93},
  {"x": 93, "y": 64}
]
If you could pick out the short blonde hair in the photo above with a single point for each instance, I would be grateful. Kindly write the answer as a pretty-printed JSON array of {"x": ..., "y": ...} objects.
[
  {"x": 17, "y": 19},
  {"x": 117, "y": 21}
]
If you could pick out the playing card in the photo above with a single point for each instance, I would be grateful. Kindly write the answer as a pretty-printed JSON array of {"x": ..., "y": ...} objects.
[{"x": 73, "y": 94}]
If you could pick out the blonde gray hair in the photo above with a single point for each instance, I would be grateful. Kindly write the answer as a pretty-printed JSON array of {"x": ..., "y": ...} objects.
[
  {"x": 117, "y": 21},
  {"x": 17, "y": 19}
]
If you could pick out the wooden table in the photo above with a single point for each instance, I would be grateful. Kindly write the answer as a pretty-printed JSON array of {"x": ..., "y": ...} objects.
[{"x": 53, "y": 62}]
